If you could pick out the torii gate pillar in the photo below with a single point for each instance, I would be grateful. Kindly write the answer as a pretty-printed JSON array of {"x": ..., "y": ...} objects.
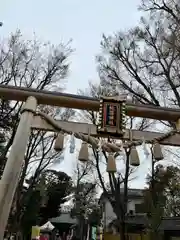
[{"x": 12, "y": 170}]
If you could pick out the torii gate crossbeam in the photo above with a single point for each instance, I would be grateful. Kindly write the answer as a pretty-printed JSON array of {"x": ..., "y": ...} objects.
[{"x": 85, "y": 103}]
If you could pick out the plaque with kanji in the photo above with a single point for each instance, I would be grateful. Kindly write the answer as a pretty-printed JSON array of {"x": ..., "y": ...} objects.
[{"x": 112, "y": 115}]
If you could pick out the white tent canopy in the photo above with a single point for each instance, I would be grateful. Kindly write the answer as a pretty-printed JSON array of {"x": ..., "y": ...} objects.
[{"x": 47, "y": 226}]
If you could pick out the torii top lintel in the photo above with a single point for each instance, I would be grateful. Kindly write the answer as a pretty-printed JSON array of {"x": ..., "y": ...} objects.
[{"x": 85, "y": 103}]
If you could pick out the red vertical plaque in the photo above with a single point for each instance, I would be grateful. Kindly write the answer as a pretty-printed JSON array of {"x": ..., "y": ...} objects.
[{"x": 112, "y": 115}]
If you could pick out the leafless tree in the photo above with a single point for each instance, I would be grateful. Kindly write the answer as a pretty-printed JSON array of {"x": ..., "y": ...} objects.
[
  {"x": 112, "y": 183},
  {"x": 32, "y": 64},
  {"x": 85, "y": 186},
  {"x": 144, "y": 61}
]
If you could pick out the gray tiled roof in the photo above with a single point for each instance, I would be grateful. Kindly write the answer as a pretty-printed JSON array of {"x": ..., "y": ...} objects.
[
  {"x": 63, "y": 218},
  {"x": 134, "y": 220},
  {"x": 132, "y": 193},
  {"x": 169, "y": 224},
  {"x": 172, "y": 224}
]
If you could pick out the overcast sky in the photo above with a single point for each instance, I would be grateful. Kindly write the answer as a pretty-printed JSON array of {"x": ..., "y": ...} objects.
[
  {"x": 60, "y": 20},
  {"x": 81, "y": 20}
]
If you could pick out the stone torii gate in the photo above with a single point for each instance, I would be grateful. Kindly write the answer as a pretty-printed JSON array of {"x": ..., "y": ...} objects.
[{"x": 29, "y": 119}]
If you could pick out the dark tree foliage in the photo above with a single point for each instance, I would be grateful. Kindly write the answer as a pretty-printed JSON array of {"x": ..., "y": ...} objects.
[
  {"x": 86, "y": 208},
  {"x": 31, "y": 216},
  {"x": 58, "y": 186},
  {"x": 163, "y": 189},
  {"x": 162, "y": 197},
  {"x": 45, "y": 200},
  {"x": 7, "y": 118},
  {"x": 83, "y": 200},
  {"x": 2, "y": 149}
]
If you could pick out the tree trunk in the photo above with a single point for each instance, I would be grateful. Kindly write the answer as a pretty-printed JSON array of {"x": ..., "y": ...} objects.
[
  {"x": 19, "y": 235},
  {"x": 122, "y": 230}
]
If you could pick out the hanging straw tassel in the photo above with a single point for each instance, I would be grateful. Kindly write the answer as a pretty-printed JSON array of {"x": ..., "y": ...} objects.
[
  {"x": 84, "y": 153},
  {"x": 72, "y": 144},
  {"x": 157, "y": 152},
  {"x": 134, "y": 157},
  {"x": 111, "y": 164},
  {"x": 59, "y": 143}
]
